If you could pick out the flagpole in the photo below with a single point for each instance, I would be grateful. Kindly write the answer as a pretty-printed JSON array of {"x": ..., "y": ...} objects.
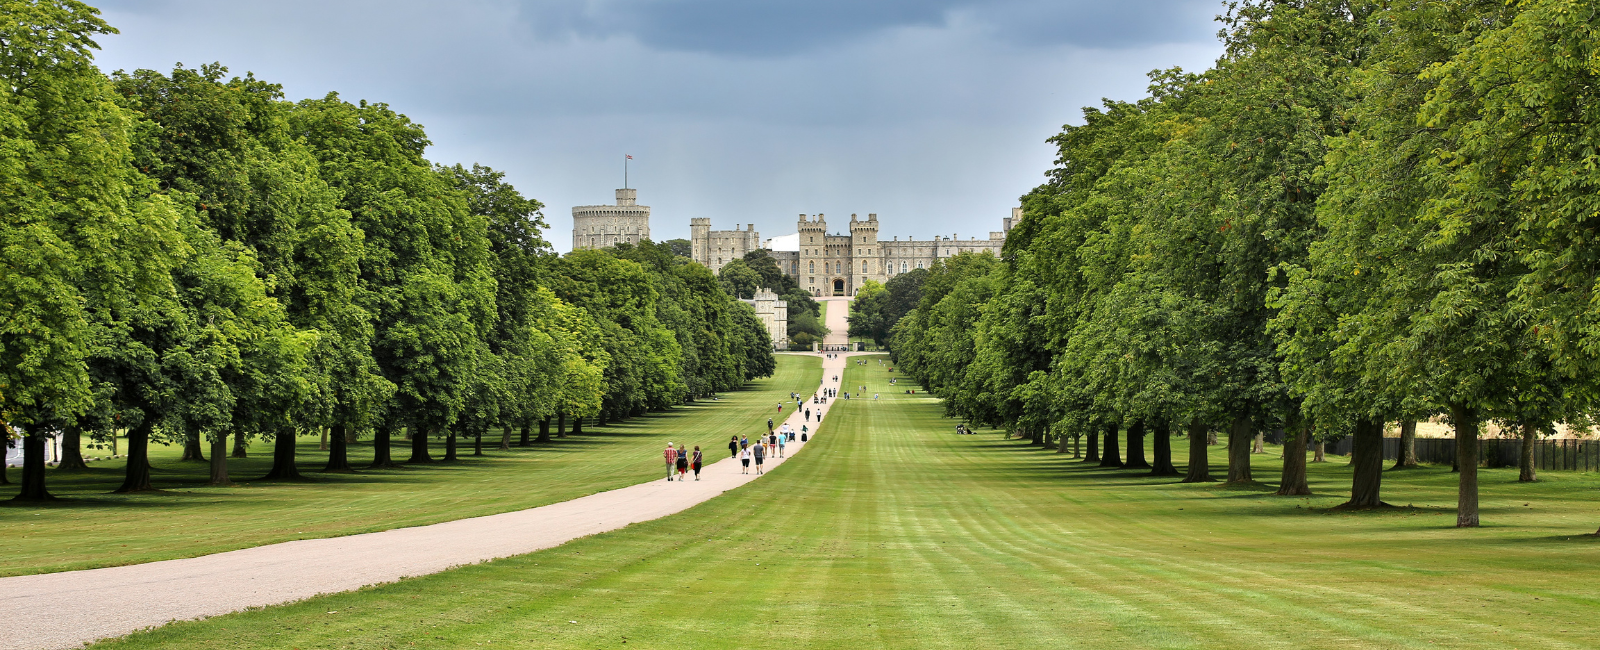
[{"x": 624, "y": 171}]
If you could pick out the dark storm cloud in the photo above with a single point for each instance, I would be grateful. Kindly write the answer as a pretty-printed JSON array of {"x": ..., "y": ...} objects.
[{"x": 744, "y": 28}]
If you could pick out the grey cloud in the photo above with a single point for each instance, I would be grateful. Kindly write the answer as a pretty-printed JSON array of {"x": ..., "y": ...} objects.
[{"x": 746, "y": 28}]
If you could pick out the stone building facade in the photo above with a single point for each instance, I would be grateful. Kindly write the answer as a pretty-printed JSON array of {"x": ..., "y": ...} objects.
[
  {"x": 774, "y": 313},
  {"x": 599, "y": 226},
  {"x": 714, "y": 248},
  {"x": 838, "y": 264}
]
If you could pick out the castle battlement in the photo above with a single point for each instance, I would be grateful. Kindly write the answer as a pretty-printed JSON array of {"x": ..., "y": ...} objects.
[{"x": 839, "y": 264}]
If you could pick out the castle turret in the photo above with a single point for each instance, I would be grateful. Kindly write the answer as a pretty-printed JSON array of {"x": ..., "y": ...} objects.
[
  {"x": 700, "y": 239},
  {"x": 599, "y": 226}
]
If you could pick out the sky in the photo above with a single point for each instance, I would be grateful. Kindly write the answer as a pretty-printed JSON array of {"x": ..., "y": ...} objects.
[{"x": 933, "y": 114}]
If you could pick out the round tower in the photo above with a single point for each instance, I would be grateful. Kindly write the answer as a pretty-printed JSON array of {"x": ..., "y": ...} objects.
[{"x": 599, "y": 226}]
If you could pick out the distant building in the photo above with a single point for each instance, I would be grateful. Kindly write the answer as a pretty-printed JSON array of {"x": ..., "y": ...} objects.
[
  {"x": 837, "y": 264},
  {"x": 774, "y": 313},
  {"x": 600, "y": 226}
]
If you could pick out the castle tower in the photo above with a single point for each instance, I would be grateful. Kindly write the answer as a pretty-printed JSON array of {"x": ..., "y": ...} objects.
[
  {"x": 700, "y": 239},
  {"x": 866, "y": 260},
  {"x": 813, "y": 254},
  {"x": 599, "y": 226}
]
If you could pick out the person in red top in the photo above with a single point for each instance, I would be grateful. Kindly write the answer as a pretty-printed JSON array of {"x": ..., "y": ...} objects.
[{"x": 671, "y": 456}]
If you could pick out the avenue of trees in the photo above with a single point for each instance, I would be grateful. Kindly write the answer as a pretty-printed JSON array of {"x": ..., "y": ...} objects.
[
  {"x": 189, "y": 258},
  {"x": 1364, "y": 213},
  {"x": 756, "y": 270}
]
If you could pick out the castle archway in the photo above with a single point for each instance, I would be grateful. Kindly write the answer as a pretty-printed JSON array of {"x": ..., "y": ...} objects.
[{"x": 838, "y": 286}]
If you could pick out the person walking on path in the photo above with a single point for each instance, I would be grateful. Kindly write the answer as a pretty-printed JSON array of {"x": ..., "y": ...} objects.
[
  {"x": 808, "y": 415},
  {"x": 695, "y": 462},
  {"x": 769, "y": 425},
  {"x": 744, "y": 443},
  {"x": 803, "y": 429},
  {"x": 671, "y": 456},
  {"x": 744, "y": 459},
  {"x": 759, "y": 454},
  {"x": 733, "y": 446},
  {"x": 683, "y": 463},
  {"x": 781, "y": 439}
]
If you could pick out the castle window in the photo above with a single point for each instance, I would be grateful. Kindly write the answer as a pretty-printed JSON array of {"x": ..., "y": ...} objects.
[
  {"x": 919, "y": 264},
  {"x": 902, "y": 267},
  {"x": 813, "y": 267},
  {"x": 863, "y": 266}
]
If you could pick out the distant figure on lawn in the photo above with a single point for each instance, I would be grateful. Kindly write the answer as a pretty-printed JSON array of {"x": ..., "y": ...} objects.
[{"x": 671, "y": 456}]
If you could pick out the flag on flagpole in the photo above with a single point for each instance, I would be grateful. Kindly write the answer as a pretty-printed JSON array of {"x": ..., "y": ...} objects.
[{"x": 630, "y": 156}]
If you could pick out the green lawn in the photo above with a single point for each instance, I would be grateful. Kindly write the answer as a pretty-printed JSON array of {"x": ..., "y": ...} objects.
[
  {"x": 90, "y": 528},
  {"x": 891, "y": 531}
]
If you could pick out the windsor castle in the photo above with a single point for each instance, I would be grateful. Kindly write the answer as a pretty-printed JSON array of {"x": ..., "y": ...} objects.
[{"x": 826, "y": 264}]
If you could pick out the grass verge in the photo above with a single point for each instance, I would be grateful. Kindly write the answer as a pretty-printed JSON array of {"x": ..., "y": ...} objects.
[{"x": 90, "y": 528}]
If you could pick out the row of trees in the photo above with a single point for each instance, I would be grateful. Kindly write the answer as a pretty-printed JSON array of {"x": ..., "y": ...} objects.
[
  {"x": 1365, "y": 212},
  {"x": 756, "y": 270},
  {"x": 188, "y": 257}
]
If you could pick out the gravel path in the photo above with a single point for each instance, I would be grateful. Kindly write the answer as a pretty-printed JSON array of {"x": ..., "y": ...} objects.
[{"x": 67, "y": 609}]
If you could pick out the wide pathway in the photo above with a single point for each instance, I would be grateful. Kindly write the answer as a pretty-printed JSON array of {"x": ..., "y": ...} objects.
[
  {"x": 67, "y": 609},
  {"x": 838, "y": 322}
]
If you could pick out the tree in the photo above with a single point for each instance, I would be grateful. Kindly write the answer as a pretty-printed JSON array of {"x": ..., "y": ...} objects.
[{"x": 80, "y": 234}]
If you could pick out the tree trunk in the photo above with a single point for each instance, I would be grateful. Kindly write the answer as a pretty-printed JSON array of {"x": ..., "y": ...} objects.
[
  {"x": 1110, "y": 456},
  {"x": 1466, "y": 424},
  {"x": 1294, "y": 464},
  {"x": 450, "y": 446},
  {"x": 1526, "y": 458},
  {"x": 577, "y": 425},
  {"x": 137, "y": 475},
  {"x": 239, "y": 446},
  {"x": 324, "y": 444},
  {"x": 477, "y": 441},
  {"x": 1211, "y": 437},
  {"x": 1239, "y": 435},
  {"x": 33, "y": 452},
  {"x": 544, "y": 432},
  {"x": 1260, "y": 444},
  {"x": 1094, "y": 447},
  {"x": 1199, "y": 461},
  {"x": 338, "y": 451},
  {"x": 1319, "y": 452},
  {"x": 191, "y": 446},
  {"x": 283, "y": 467},
  {"x": 419, "y": 445},
  {"x": 381, "y": 454},
  {"x": 219, "y": 460},
  {"x": 561, "y": 425},
  {"x": 600, "y": 420},
  {"x": 1061, "y": 444},
  {"x": 1406, "y": 456},
  {"x": 71, "y": 451},
  {"x": 1077, "y": 446},
  {"x": 1366, "y": 459},
  {"x": 1163, "y": 448},
  {"x": 1136, "y": 447},
  {"x": 505, "y": 436}
]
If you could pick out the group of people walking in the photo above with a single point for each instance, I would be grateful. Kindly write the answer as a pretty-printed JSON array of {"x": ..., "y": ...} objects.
[{"x": 681, "y": 460}]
